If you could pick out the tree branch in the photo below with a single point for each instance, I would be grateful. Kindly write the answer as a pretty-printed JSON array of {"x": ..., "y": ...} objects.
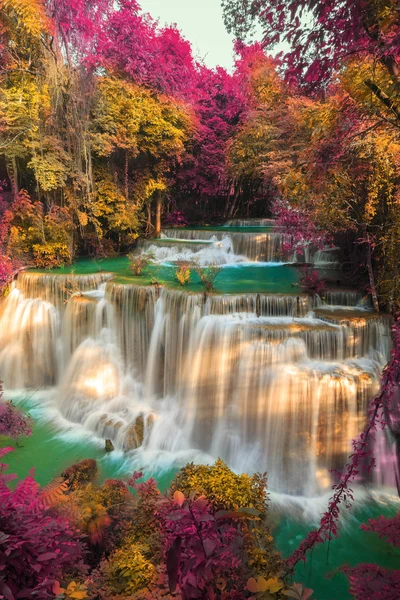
[{"x": 383, "y": 97}]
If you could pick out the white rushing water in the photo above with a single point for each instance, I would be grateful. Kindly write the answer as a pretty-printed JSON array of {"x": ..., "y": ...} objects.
[
  {"x": 260, "y": 380},
  {"x": 225, "y": 247}
]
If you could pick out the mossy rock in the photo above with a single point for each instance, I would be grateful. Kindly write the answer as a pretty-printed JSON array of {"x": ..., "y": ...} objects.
[{"x": 81, "y": 473}]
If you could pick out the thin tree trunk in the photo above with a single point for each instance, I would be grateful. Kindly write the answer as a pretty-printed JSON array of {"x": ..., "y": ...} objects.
[
  {"x": 12, "y": 171},
  {"x": 126, "y": 175},
  {"x": 158, "y": 214},
  {"x": 372, "y": 279}
]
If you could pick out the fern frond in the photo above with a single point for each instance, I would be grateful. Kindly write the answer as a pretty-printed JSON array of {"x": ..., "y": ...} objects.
[
  {"x": 53, "y": 493},
  {"x": 5, "y": 451}
]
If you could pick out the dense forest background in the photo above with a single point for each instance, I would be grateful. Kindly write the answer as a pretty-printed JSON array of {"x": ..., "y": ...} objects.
[{"x": 108, "y": 124}]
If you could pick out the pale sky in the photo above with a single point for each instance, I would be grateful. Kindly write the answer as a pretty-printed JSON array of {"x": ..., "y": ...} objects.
[{"x": 201, "y": 23}]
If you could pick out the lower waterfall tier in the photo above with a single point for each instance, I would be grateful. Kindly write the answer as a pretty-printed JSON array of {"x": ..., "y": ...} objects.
[{"x": 259, "y": 380}]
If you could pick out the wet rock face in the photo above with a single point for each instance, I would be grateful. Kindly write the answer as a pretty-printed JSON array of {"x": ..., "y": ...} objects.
[
  {"x": 109, "y": 446},
  {"x": 135, "y": 433}
]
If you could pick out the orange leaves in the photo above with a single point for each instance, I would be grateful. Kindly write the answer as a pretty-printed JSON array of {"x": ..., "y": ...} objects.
[
  {"x": 179, "y": 498},
  {"x": 261, "y": 586},
  {"x": 30, "y": 15}
]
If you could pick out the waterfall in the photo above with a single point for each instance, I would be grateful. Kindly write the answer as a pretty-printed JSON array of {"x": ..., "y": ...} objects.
[
  {"x": 255, "y": 246},
  {"x": 205, "y": 252},
  {"x": 265, "y": 381},
  {"x": 249, "y": 223}
]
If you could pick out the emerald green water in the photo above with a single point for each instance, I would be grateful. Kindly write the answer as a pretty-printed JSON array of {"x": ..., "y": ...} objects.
[
  {"x": 51, "y": 452},
  {"x": 232, "y": 279},
  {"x": 322, "y": 571}
]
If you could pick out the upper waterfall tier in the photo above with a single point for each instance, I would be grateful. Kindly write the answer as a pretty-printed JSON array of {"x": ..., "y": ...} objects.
[
  {"x": 249, "y": 223},
  {"x": 259, "y": 247},
  {"x": 266, "y": 245}
]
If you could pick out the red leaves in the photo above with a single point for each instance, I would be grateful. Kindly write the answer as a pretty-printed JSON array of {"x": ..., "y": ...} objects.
[{"x": 173, "y": 563}]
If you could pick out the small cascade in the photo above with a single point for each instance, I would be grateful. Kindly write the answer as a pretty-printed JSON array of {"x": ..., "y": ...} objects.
[
  {"x": 29, "y": 341},
  {"x": 348, "y": 298},
  {"x": 58, "y": 288},
  {"x": 205, "y": 252},
  {"x": 249, "y": 223},
  {"x": 255, "y": 246}
]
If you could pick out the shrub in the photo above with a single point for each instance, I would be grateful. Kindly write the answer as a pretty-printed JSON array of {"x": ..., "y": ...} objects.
[
  {"x": 51, "y": 255},
  {"x": 13, "y": 422},
  {"x": 6, "y": 272},
  {"x": 311, "y": 283},
  {"x": 127, "y": 570},
  {"x": 38, "y": 548},
  {"x": 182, "y": 273},
  {"x": 139, "y": 262},
  {"x": 207, "y": 275},
  {"x": 226, "y": 490},
  {"x": 175, "y": 219}
]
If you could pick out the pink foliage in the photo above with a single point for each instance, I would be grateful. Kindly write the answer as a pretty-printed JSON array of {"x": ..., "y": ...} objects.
[
  {"x": 6, "y": 270},
  {"x": 387, "y": 529},
  {"x": 298, "y": 225},
  {"x": 311, "y": 283},
  {"x": 324, "y": 33},
  {"x": 203, "y": 547},
  {"x": 37, "y": 548},
  {"x": 374, "y": 582},
  {"x": 13, "y": 422},
  {"x": 175, "y": 219}
]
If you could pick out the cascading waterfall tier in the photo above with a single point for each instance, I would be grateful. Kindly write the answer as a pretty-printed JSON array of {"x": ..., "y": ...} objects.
[
  {"x": 258, "y": 379},
  {"x": 255, "y": 246},
  {"x": 249, "y": 223},
  {"x": 204, "y": 252},
  {"x": 236, "y": 246}
]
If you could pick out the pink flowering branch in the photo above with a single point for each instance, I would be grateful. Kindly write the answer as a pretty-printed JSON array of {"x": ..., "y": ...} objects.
[
  {"x": 362, "y": 458},
  {"x": 300, "y": 229}
]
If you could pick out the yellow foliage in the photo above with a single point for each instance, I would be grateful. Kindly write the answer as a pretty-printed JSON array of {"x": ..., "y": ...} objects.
[
  {"x": 182, "y": 273},
  {"x": 127, "y": 570},
  {"x": 30, "y": 15},
  {"x": 227, "y": 490}
]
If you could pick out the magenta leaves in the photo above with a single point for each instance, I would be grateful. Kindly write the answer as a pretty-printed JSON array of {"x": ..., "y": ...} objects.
[
  {"x": 13, "y": 422},
  {"x": 37, "y": 547},
  {"x": 205, "y": 547}
]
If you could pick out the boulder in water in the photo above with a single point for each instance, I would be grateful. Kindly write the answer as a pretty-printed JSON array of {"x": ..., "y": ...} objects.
[
  {"x": 109, "y": 446},
  {"x": 81, "y": 473}
]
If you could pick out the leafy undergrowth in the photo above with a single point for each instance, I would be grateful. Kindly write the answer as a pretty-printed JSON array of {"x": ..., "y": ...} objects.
[{"x": 207, "y": 537}]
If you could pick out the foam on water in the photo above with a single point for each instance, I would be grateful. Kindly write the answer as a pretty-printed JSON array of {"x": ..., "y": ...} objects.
[{"x": 173, "y": 377}]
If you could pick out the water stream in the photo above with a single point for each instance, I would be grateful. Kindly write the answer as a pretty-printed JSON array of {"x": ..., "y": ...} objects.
[{"x": 275, "y": 382}]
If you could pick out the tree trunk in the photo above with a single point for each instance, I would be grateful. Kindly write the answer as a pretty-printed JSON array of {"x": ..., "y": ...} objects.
[
  {"x": 158, "y": 213},
  {"x": 372, "y": 279},
  {"x": 126, "y": 176},
  {"x": 12, "y": 171}
]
